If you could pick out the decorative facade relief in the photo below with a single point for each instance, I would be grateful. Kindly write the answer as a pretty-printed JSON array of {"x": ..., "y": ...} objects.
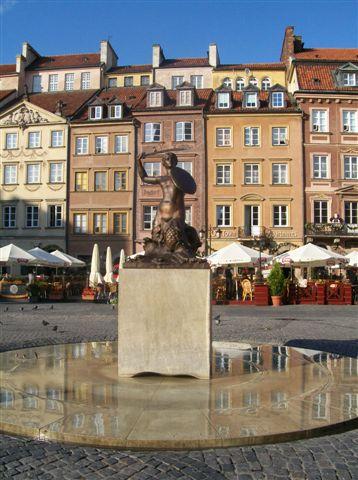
[{"x": 24, "y": 117}]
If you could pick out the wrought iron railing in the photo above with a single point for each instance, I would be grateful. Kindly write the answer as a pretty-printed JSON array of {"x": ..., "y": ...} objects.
[{"x": 331, "y": 229}]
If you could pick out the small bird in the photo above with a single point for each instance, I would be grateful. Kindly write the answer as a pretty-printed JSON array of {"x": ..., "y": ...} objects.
[
  {"x": 35, "y": 307},
  {"x": 113, "y": 307},
  {"x": 51, "y": 308},
  {"x": 217, "y": 319},
  {"x": 44, "y": 323},
  {"x": 6, "y": 309},
  {"x": 21, "y": 309},
  {"x": 55, "y": 328},
  {"x": 36, "y": 355}
]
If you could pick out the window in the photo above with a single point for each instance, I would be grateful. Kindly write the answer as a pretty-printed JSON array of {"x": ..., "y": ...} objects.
[
  {"x": 33, "y": 173},
  {"x": 32, "y": 216},
  {"x": 320, "y": 166},
  {"x": 351, "y": 168},
  {"x": 188, "y": 215},
  {"x": 112, "y": 82},
  {"x": 185, "y": 98},
  {"x": 34, "y": 140},
  {"x": 57, "y": 138},
  {"x": 183, "y": 131},
  {"x": 279, "y": 173},
  {"x": 152, "y": 132},
  {"x": 223, "y": 137},
  {"x": 251, "y": 135},
  {"x": 196, "y": 81},
  {"x": 351, "y": 213},
  {"x": 69, "y": 81},
  {"x": 149, "y": 213},
  {"x": 320, "y": 211},
  {"x": 30, "y": 400},
  {"x": 144, "y": 80},
  {"x": 128, "y": 81},
  {"x": 81, "y": 145},
  {"x": 251, "y": 173},
  {"x": 350, "y": 123},
  {"x": 187, "y": 166},
  {"x": 266, "y": 83},
  {"x": 223, "y": 174},
  {"x": 55, "y": 216},
  {"x": 100, "y": 223},
  {"x": 223, "y": 215},
  {"x": 10, "y": 174},
  {"x": 56, "y": 172},
  {"x": 80, "y": 223},
  {"x": 319, "y": 121},
  {"x": 319, "y": 406},
  {"x": 36, "y": 83},
  {"x": 240, "y": 84},
  {"x": 115, "y": 111},
  {"x": 100, "y": 181},
  {"x": 350, "y": 79},
  {"x": 6, "y": 398},
  {"x": 277, "y": 99},
  {"x": 85, "y": 80},
  {"x": 253, "y": 81},
  {"x": 279, "y": 136},
  {"x": 9, "y": 216},
  {"x": 96, "y": 113},
  {"x": 280, "y": 218},
  {"x": 223, "y": 100},
  {"x": 227, "y": 82},
  {"x": 101, "y": 145},
  {"x": 155, "y": 99},
  {"x": 120, "y": 180},
  {"x": 11, "y": 141},
  {"x": 152, "y": 168},
  {"x": 81, "y": 181},
  {"x": 121, "y": 144},
  {"x": 251, "y": 100},
  {"x": 176, "y": 81},
  {"x": 120, "y": 223},
  {"x": 53, "y": 83}
]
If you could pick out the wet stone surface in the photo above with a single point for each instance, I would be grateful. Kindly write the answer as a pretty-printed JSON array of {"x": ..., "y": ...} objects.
[{"x": 318, "y": 328}]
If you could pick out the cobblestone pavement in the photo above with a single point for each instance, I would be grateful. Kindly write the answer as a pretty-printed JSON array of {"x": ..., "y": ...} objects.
[{"x": 317, "y": 327}]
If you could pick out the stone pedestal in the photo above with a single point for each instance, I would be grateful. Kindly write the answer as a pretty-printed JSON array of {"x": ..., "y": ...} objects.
[{"x": 164, "y": 322}]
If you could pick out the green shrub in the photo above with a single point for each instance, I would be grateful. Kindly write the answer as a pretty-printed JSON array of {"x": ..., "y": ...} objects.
[{"x": 276, "y": 280}]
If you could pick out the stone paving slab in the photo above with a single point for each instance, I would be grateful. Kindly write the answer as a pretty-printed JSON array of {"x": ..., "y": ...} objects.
[{"x": 332, "y": 328}]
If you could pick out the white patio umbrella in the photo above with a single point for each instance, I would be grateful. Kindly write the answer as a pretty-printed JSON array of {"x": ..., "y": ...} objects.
[
  {"x": 46, "y": 258},
  {"x": 95, "y": 275},
  {"x": 11, "y": 255},
  {"x": 310, "y": 255},
  {"x": 109, "y": 266},
  {"x": 352, "y": 257},
  {"x": 68, "y": 259},
  {"x": 237, "y": 254}
]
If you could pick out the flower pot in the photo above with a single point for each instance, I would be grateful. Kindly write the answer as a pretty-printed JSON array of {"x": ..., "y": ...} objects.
[{"x": 276, "y": 300}]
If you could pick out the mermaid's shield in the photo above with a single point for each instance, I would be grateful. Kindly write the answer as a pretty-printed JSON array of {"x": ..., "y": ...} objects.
[{"x": 183, "y": 180}]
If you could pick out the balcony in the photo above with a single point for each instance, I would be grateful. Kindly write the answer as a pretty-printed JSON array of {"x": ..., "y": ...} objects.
[{"x": 331, "y": 230}]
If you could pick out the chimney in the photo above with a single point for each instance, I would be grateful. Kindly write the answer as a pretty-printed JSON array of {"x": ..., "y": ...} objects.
[
  {"x": 157, "y": 56},
  {"x": 288, "y": 45},
  {"x": 107, "y": 55},
  {"x": 29, "y": 53},
  {"x": 214, "y": 59}
]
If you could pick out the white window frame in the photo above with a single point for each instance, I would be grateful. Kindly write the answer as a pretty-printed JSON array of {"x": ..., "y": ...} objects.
[
  {"x": 151, "y": 132},
  {"x": 252, "y": 173},
  {"x": 223, "y": 137},
  {"x": 183, "y": 131},
  {"x": 223, "y": 99},
  {"x": 350, "y": 221},
  {"x": 34, "y": 220},
  {"x": 252, "y": 136},
  {"x": 253, "y": 81},
  {"x": 176, "y": 81},
  {"x": 349, "y": 79},
  {"x": 197, "y": 81},
  {"x": 85, "y": 80},
  {"x": 151, "y": 213},
  {"x": 58, "y": 210},
  {"x": 279, "y": 136},
  {"x": 251, "y": 104},
  {"x": 320, "y": 165},
  {"x": 9, "y": 216},
  {"x": 277, "y": 99},
  {"x": 56, "y": 172},
  {"x": 266, "y": 83},
  {"x": 319, "y": 120},
  {"x": 281, "y": 174},
  {"x": 33, "y": 173},
  {"x": 96, "y": 112},
  {"x": 53, "y": 82},
  {"x": 11, "y": 141},
  {"x": 69, "y": 82},
  {"x": 227, "y": 82},
  {"x": 57, "y": 138},
  {"x": 350, "y": 167},
  {"x": 223, "y": 174},
  {"x": 121, "y": 144},
  {"x": 101, "y": 144},
  {"x": 34, "y": 140},
  {"x": 240, "y": 84},
  {"x": 10, "y": 174},
  {"x": 80, "y": 223},
  {"x": 350, "y": 121},
  {"x": 223, "y": 218},
  {"x": 282, "y": 211},
  {"x": 82, "y": 145},
  {"x": 115, "y": 111},
  {"x": 185, "y": 98},
  {"x": 156, "y": 99}
]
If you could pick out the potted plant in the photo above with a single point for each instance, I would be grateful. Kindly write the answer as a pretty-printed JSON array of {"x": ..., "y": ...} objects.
[{"x": 276, "y": 281}]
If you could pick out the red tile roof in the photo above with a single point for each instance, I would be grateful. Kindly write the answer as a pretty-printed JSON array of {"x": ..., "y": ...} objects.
[
  {"x": 66, "y": 61},
  {"x": 184, "y": 62},
  {"x": 318, "y": 76},
  {"x": 5, "y": 93},
  {"x": 252, "y": 66},
  {"x": 72, "y": 101},
  {"x": 335, "y": 54},
  {"x": 170, "y": 101},
  {"x": 131, "y": 69},
  {"x": 237, "y": 98},
  {"x": 7, "y": 69}
]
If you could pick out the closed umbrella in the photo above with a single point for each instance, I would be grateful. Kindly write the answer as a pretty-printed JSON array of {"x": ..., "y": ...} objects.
[
  {"x": 122, "y": 259},
  {"x": 109, "y": 266},
  {"x": 11, "y": 255},
  {"x": 95, "y": 275}
]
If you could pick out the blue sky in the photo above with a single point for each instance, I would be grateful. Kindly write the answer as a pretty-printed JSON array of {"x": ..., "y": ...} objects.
[{"x": 245, "y": 31}]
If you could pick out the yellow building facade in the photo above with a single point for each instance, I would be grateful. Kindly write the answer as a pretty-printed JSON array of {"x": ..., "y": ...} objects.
[{"x": 239, "y": 76}]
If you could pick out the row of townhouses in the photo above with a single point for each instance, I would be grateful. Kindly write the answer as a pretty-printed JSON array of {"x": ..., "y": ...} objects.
[{"x": 273, "y": 147}]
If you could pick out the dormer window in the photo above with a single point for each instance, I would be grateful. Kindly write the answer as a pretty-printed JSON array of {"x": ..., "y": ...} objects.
[
  {"x": 251, "y": 100},
  {"x": 347, "y": 75},
  {"x": 253, "y": 81},
  {"x": 115, "y": 111},
  {"x": 240, "y": 84},
  {"x": 185, "y": 98},
  {"x": 155, "y": 99},
  {"x": 223, "y": 100},
  {"x": 277, "y": 99},
  {"x": 95, "y": 113},
  {"x": 266, "y": 83},
  {"x": 227, "y": 82},
  {"x": 349, "y": 79}
]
